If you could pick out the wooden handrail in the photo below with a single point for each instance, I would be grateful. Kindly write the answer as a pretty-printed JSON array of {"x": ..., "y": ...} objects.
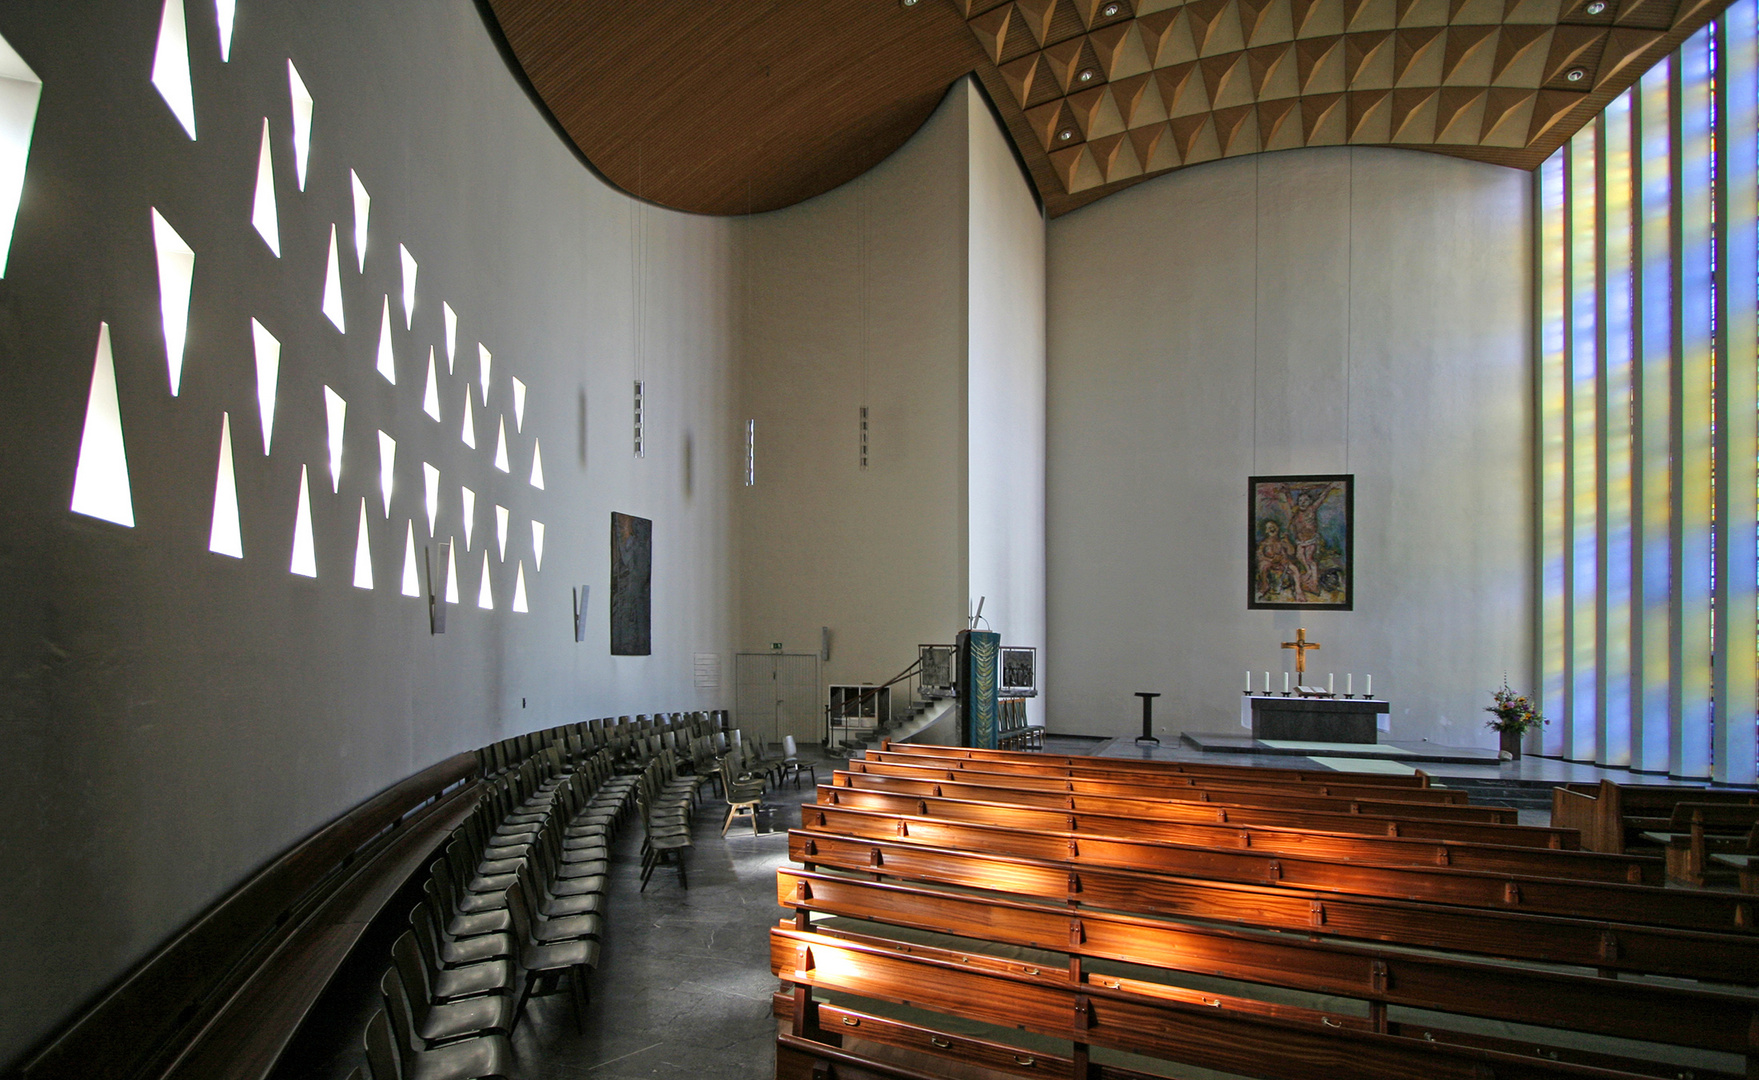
[{"x": 151, "y": 1017}]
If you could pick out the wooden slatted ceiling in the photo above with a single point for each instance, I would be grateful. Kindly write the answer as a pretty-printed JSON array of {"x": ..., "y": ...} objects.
[
  {"x": 724, "y": 108},
  {"x": 720, "y": 107}
]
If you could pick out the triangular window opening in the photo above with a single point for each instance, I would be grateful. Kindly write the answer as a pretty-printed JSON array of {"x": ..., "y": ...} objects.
[
  {"x": 302, "y": 117},
  {"x": 268, "y": 357},
  {"x": 333, "y": 287},
  {"x": 363, "y": 206},
  {"x": 305, "y": 562},
  {"x": 363, "y": 553},
  {"x": 265, "y": 215},
  {"x": 387, "y": 356},
  {"x": 176, "y": 276},
  {"x": 100, "y": 480},
  {"x": 171, "y": 66},
  {"x": 225, "y": 537},
  {"x": 411, "y": 582}
]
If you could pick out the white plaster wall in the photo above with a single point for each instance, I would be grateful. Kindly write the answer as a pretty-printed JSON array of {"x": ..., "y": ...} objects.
[
  {"x": 877, "y": 555},
  {"x": 1005, "y": 402},
  {"x": 171, "y": 718},
  {"x": 1327, "y": 310}
]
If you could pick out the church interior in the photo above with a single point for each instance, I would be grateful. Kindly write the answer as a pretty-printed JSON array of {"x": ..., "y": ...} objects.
[{"x": 792, "y": 614}]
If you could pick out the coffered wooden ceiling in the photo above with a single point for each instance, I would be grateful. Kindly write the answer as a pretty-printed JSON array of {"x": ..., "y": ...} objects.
[{"x": 725, "y": 108}]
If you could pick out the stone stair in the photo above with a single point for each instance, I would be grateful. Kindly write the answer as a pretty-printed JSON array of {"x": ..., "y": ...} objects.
[
  {"x": 922, "y": 715},
  {"x": 1516, "y": 794}
]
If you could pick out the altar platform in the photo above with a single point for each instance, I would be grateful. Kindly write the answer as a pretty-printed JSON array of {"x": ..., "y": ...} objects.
[
  {"x": 1418, "y": 752},
  {"x": 1524, "y": 784}
]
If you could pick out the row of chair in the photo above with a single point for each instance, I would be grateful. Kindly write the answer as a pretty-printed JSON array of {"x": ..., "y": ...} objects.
[{"x": 514, "y": 907}]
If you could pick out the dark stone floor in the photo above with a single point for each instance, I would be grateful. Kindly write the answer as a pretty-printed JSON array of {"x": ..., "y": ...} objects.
[{"x": 683, "y": 985}]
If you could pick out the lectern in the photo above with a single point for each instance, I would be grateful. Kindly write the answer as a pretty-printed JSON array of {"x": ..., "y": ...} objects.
[{"x": 1147, "y": 718}]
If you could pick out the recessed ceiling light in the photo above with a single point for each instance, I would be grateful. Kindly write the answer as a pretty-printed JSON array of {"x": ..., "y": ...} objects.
[
  {"x": 909, "y": 3},
  {"x": 1597, "y": 7},
  {"x": 1066, "y": 134},
  {"x": 1576, "y": 74},
  {"x": 1086, "y": 75},
  {"x": 1110, "y": 10}
]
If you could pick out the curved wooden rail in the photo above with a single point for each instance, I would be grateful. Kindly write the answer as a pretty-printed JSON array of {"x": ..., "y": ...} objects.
[{"x": 224, "y": 996}]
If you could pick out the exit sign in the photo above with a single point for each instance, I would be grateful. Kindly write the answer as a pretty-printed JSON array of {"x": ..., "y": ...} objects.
[{"x": 776, "y": 645}]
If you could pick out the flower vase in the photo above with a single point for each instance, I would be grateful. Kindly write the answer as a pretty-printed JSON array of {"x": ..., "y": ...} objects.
[{"x": 1511, "y": 744}]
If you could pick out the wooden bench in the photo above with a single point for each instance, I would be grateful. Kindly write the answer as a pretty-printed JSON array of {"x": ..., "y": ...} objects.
[
  {"x": 1241, "y": 796},
  {"x": 224, "y": 997},
  {"x": 1383, "y": 979},
  {"x": 1324, "y": 821},
  {"x": 973, "y": 821},
  {"x": 1217, "y": 1030},
  {"x": 1140, "y": 786},
  {"x": 1032, "y": 910},
  {"x": 1613, "y": 817},
  {"x": 1080, "y": 765},
  {"x": 1745, "y": 864},
  {"x": 1696, "y": 830}
]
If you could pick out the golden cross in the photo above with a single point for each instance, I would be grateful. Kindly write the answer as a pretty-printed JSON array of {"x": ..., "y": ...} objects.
[{"x": 1300, "y": 645}]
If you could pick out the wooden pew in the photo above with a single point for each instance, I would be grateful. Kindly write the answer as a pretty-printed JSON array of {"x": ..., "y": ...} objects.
[
  {"x": 970, "y": 829},
  {"x": 1745, "y": 864},
  {"x": 1151, "y": 806},
  {"x": 1083, "y": 765},
  {"x": 1675, "y": 908},
  {"x": 1138, "y": 786},
  {"x": 1513, "y": 927},
  {"x": 981, "y": 809},
  {"x": 1214, "y": 1031},
  {"x": 1612, "y": 817},
  {"x": 1673, "y": 1015},
  {"x": 1698, "y": 829},
  {"x": 1032, "y": 866}
]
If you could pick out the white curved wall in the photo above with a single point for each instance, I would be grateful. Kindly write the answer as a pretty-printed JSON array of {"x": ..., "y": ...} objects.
[{"x": 171, "y": 718}]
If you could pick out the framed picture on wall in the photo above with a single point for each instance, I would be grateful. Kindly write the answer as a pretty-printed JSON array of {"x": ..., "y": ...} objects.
[
  {"x": 1301, "y": 542},
  {"x": 632, "y": 559}
]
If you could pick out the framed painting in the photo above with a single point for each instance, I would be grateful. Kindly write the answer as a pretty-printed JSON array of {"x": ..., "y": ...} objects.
[
  {"x": 632, "y": 560},
  {"x": 1301, "y": 542}
]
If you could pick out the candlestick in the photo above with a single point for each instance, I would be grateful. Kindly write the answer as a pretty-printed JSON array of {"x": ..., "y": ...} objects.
[
  {"x": 1267, "y": 684},
  {"x": 1349, "y": 690},
  {"x": 1248, "y": 682},
  {"x": 1368, "y": 693},
  {"x": 1329, "y": 684},
  {"x": 1285, "y": 683}
]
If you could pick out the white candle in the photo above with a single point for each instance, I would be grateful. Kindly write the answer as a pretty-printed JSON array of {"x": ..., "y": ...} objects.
[
  {"x": 1328, "y": 682},
  {"x": 1248, "y": 682},
  {"x": 1267, "y": 683},
  {"x": 1285, "y": 682},
  {"x": 1349, "y": 689},
  {"x": 1368, "y": 693}
]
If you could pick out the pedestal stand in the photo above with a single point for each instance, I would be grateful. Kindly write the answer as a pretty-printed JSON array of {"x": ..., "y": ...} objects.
[{"x": 1147, "y": 718}]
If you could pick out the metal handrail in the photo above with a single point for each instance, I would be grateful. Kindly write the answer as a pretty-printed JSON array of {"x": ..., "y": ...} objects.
[{"x": 867, "y": 695}]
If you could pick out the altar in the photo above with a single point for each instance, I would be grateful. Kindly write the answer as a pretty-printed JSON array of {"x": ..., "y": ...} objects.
[{"x": 1312, "y": 719}]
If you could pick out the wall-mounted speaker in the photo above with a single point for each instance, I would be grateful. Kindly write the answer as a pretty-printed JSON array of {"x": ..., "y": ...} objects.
[{"x": 824, "y": 643}]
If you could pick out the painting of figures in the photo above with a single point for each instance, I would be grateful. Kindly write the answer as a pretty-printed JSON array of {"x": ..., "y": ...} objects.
[
  {"x": 1301, "y": 544},
  {"x": 632, "y": 545}
]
